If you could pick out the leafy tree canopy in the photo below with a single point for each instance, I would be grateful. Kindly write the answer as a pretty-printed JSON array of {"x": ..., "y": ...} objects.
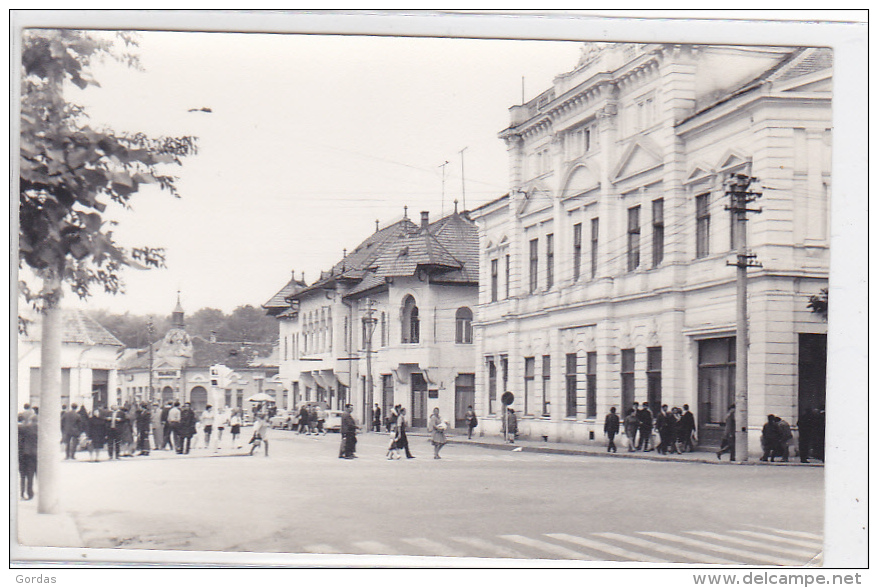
[
  {"x": 69, "y": 171},
  {"x": 819, "y": 303}
]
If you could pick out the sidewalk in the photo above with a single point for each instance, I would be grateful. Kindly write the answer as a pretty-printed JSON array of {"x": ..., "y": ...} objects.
[
  {"x": 45, "y": 530},
  {"x": 496, "y": 442}
]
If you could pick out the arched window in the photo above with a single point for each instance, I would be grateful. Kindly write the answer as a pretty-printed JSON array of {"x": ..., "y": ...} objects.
[
  {"x": 411, "y": 327},
  {"x": 464, "y": 331}
]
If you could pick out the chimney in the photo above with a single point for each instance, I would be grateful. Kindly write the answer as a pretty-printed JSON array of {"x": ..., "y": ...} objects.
[
  {"x": 213, "y": 336},
  {"x": 425, "y": 219}
]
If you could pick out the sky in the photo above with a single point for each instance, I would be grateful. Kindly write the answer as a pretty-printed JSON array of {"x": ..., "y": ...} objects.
[{"x": 311, "y": 139}]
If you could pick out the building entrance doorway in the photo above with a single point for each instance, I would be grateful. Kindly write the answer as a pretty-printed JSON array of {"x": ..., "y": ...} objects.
[
  {"x": 167, "y": 394},
  {"x": 812, "y": 371},
  {"x": 464, "y": 396},
  {"x": 198, "y": 399},
  {"x": 716, "y": 388},
  {"x": 419, "y": 400}
]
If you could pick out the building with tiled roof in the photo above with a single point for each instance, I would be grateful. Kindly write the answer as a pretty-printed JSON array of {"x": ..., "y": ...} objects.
[
  {"x": 605, "y": 275},
  {"x": 421, "y": 284},
  {"x": 177, "y": 367},
  {"x": 89, "y": 361}
]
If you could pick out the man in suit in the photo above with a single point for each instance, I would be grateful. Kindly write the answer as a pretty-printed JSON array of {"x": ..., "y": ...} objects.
[
  {"x": 173, "y": 426},
  {"x": 71, "y": 427},
  {"x": 644, "y": 427},
  {"x": 728, "y": 440},
  {"x": 348, "y": 434},
  {"x": 687, "y": 428},
  {"x": 166, "y": 429},
  {"x": 664, "y": 423},
  {"x": 114, "y": 431},
  {"x": 611, "y": 428}
]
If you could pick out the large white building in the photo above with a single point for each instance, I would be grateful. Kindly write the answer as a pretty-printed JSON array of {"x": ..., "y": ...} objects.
[
  {"x": 604, "y": 271},
  {"x": 421, "y": 284},
  {"x": 89, "y": 362}
]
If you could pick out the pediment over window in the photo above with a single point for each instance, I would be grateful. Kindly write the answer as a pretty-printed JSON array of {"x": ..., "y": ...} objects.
[
  {"x": 700, "y": 173},
  {"x": 642, "y": 155},
  {"x": 732, "y": 159},
  {"x": 536, "y": 198},
  {"x": 581, "y": 179}
]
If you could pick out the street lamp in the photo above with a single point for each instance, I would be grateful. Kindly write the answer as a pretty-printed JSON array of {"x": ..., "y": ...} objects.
[{"x": 369, "y": 323}]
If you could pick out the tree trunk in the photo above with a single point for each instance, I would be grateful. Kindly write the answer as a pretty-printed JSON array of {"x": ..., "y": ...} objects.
[{"x": 48, "y": 449}]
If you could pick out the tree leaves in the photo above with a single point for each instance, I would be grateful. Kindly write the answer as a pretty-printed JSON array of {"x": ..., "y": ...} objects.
[{"x": 65, "y": 166}]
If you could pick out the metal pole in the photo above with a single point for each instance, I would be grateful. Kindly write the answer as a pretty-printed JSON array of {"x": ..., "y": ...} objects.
[
  {"x": 741, "y": 333},
  {"x": 368, "y": 395}
]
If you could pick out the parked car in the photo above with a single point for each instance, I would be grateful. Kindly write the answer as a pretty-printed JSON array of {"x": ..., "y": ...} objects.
[
  {"x": 333, "y": 420},
  {"x": 282, "y": 420}
]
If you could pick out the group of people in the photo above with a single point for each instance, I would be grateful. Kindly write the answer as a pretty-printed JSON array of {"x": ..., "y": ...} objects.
[
  {"x": 311, "y": 419},
  {"x": 125, "y": 430},
  {"x": 675, "y": 428}
]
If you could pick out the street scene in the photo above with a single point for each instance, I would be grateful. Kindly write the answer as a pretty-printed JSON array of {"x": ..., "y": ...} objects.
[
  {"x": 477, "y": 502},
  {"x": 472, "y": 299}
]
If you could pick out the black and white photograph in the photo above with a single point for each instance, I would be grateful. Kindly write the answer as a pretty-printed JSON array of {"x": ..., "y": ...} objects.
[{"x": 439, "y": 290}]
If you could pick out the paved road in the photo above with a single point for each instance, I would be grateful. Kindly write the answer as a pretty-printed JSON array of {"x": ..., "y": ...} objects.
[{"x": 475, "y": 502}]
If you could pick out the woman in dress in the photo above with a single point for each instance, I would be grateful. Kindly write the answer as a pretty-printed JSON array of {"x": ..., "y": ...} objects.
[
  {"x": 96, "y": 430},
  {"x": 436, "y": 428},
  {"x": 235, "y": 424}
]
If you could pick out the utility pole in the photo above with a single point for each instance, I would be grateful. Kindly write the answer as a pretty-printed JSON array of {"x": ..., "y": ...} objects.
[
  {"x": 462, "y": 179},
  {"x": 740, "y": 196},
  {"x": 368, "y": 331},
  {"x": 442, "y": 209},
  {"x": 150, "y": 329}
]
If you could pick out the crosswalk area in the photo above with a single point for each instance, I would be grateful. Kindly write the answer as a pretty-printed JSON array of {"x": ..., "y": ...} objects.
[{"x": 749, "y": 545}]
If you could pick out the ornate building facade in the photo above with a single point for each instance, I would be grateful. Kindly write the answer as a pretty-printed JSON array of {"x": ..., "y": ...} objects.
[
  {"x": 419, "y": 286},
  {"x": 604, "y": 271}
]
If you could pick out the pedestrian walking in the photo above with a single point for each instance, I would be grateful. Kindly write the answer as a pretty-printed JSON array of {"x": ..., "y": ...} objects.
[
  {"x": 28, "y": 437},
  {"x": 167, "y": 433},
  {"x": 677, "y": 434},
  {"x": 174, "y": 415},
  {"x": 631, "y": 428},
  {"x": 348, "y": 434},
  {"x": 394, "y": 414},
  {"x": 664, "y": 425},
  {"x": 321, "y": 419},
  {"x": 126, "y": 435},
  {"x": 611, "y": 428},
  {"x": 510, "y": 427},
  {"x": 728, "y": 439},
  {"x": 785, "y": 435},
  {"x": 158, "y": 435},
  {"x": 207, "y": 419},
  {"x": 144, "y": 420},
  {"x": 222, "y": 422},
  {"x": 71, "y": 427},
  {"x": 96, "y": 430},
  {"x": 436, "y": 427},
  {"x": 770, "y": 439},
  {"x": 187, "y": 426},
  {"x": 644, "y": 428},
  {"x": 401, "y": 427},
  {"x": 304, "y": 418},
  {"x": 235, "y": 427},
  {"x": 376, "y": 418},
  {"x": 114, "y": 432},
  {"x": 260, "y": 433},
  {"x": 688, "y": 432},
  {"x": 393, "y": 449},
  {"x": 472, "y": 421}
]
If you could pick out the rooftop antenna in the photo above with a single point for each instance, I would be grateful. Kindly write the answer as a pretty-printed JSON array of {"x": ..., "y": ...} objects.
[
  {"x": 442, "y": 209},
  {"x": 462, "y": 178}
]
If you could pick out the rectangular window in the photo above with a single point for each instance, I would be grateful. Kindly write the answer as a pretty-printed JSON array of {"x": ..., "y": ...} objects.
[
  {"x": 570, "y": 377},
  {"x": 633, "y": 238},
  {"x": 627, "y": 378},
  {"x": 594, "y": 247},
  {"x": 504, "y": 367},
  {"x": 508, "y": 263},
  {"x": 577, "y": 250},
  {"x": 658, "y": 231},
  {"x": 383, "y": 329},
  {"x": 492, "y": 385},
  {"x": 529, "y": 374},
  {"x": 716, "y": 378},
  {"x": 534, "y": 264},
  {"x": 654, "y": 377},
  {"x": 702, "y": 225},
  {"x": 591, "y": 384},
  {"x": 494, "y": 278},
  {"x": 286, "y": 348},
  {"x": 547, "y": 375},
  {"x": 550, "y": 261}
]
